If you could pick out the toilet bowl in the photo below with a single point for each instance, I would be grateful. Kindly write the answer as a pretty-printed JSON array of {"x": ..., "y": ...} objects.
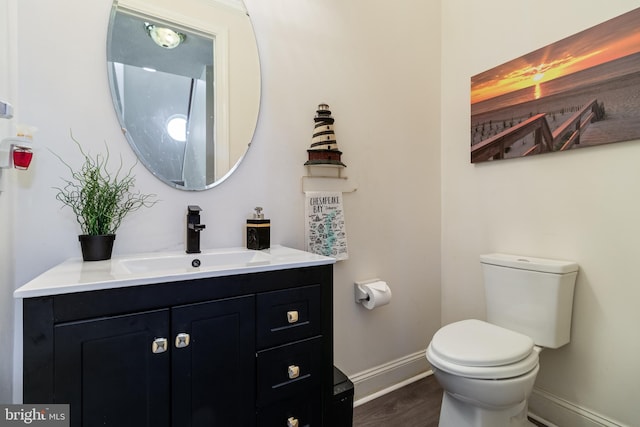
[
  {"x": 487, "y": 369},
  {"x": 487, "y": 372}
]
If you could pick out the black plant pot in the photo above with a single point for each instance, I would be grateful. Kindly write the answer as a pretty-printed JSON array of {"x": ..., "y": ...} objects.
[{"x": 96, "y": 248}]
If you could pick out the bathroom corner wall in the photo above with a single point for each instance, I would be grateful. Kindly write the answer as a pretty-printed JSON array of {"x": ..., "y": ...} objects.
[
  {"x": 361, "y": 58},
  {"x": 580, "y": 205}
]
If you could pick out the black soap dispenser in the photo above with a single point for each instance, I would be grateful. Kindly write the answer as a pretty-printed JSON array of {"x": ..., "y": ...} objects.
[{"x": 258, "y": 231}]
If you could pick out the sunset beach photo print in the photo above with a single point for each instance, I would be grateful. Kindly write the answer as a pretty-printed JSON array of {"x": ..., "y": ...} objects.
[{"x": 581, "y": 91}]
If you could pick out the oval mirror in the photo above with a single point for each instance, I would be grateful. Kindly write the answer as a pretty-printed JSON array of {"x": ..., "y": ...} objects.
[{"x": 185, "y": 83}]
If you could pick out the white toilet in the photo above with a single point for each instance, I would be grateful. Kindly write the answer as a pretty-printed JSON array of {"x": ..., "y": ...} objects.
[{"x": 487, "y": 369}]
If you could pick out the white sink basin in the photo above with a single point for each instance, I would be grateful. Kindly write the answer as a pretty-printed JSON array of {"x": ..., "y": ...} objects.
[
  {"x": 75, "y": 275},
  {"x": 208, "y": 260}
]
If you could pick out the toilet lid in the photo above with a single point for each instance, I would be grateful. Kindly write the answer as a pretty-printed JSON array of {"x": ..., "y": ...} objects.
[
  {"x": 476, "y": 349},
  {"x": 476, "y": 343},
  {"x": 513, "y": 370}
]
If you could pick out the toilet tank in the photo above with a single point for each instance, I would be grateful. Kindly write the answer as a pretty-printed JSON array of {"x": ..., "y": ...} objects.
[{"x": 533, "y": 296}]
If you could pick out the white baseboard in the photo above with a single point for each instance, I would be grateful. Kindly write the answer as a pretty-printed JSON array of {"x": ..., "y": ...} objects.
[
  {"x": 382, "y": 379},
  {"x": 555, "y": 411},
  {"x": 394, "y": 387}
]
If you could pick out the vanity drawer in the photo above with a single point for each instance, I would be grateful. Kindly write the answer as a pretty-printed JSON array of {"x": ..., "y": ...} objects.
[
  {"x": 288, "y": 315},
  {"x": 289, "y": 370},
  {"x": 304, "y": 411}
]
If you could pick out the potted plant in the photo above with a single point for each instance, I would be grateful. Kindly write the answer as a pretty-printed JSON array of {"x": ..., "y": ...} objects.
[{"x": 100, "y": 199}]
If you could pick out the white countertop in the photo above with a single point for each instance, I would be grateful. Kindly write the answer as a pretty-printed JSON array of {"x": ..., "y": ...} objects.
[{"x": 76, "y": 275}]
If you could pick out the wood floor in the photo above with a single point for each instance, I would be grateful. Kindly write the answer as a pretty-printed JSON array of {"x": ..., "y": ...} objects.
[{"x": 414, "y": 405}]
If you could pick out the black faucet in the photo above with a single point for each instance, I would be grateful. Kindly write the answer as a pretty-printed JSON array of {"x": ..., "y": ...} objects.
[{"x": 193, "y": 229}]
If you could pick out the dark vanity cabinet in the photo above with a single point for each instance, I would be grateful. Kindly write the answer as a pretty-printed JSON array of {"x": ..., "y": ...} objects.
[{"x": 245, "y": 350}]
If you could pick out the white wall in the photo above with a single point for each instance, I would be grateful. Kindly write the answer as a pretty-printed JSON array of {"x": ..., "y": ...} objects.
[
  {"x": 359, "y": 57},
  {"x": 581, "y": 206}
]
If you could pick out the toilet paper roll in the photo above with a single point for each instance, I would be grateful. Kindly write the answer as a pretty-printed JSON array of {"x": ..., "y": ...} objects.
[{"x": 378, "y": 293}]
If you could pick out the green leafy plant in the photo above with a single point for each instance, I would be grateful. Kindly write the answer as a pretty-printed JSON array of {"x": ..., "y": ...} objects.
[{"x": 100, "y": 199}]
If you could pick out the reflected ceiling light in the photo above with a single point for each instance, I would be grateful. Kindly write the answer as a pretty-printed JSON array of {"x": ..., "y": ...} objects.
[
  {"x": 177, "y": 127},
  {"x": 164, "y": 37}
]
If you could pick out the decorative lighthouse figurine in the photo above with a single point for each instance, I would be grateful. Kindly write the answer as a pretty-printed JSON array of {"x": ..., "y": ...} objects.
[{"x": 324, "y": 148}]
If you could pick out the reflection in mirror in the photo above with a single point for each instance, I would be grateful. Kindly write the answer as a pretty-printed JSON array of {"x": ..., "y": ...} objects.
[{"x": 187, "y": 106}]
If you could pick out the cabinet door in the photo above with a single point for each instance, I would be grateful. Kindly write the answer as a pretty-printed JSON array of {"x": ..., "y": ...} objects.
[
  {"x": 288, "y": 315},
  {"x": 214, "y": 363},
  {"x": 107, "y": 370},
  {"x": 289, "y": 370},
  {"x": 303, "y": 411}
]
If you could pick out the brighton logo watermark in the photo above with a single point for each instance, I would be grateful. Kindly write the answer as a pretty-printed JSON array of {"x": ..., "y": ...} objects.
[{"x": 45, "y": 415}]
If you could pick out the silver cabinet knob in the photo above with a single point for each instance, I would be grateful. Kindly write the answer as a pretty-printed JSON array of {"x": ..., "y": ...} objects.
[
  {"x": 182, "y": 340},
  {"x": 292, "y": 422},
  {"x": 293, "y": 371},
  {"x": 159, "y": 345},
  {"x": 292, "y": 316}
]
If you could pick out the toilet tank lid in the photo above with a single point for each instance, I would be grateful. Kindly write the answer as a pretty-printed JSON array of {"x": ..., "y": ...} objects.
[{"x": 529, "y": 263}]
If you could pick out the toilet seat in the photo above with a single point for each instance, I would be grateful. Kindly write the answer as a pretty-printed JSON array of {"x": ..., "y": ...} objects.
[{"x": 477, "y": 349}]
